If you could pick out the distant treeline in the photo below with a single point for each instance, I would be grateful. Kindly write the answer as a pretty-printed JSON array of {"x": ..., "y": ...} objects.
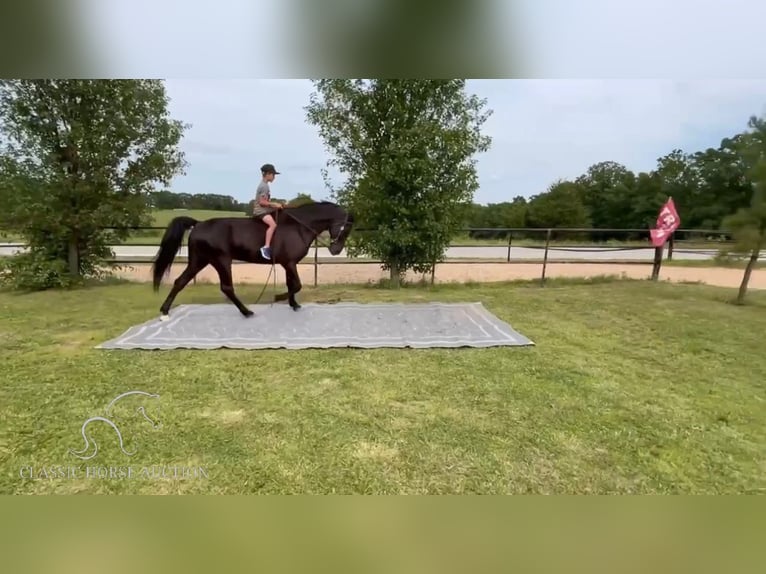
[
  {"x": 706, "y": 186},
  {"x": 211, "y": 201},
  {"x": 169, "y": 200}
]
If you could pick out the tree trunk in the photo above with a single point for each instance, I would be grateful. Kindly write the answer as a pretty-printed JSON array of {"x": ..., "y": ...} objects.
[
  {"x": 73, "y": 257},
  {"x": 746, "y": 277},
  {"x": 395, "y": 275}
]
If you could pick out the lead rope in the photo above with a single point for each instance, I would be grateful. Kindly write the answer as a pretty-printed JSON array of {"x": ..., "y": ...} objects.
[
  {"x": 273, "y": 264},
  {"x": 274, "y": 292},
  {"x": 267, "y": 284},
  {"x": 272, "y": 271}
]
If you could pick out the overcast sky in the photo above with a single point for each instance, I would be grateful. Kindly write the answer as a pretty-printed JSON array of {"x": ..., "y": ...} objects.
[{"x": 542, "y": 130}]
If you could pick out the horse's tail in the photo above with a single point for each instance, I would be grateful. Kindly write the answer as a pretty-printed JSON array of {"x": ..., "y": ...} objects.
[{"x": 169, "y": 246}]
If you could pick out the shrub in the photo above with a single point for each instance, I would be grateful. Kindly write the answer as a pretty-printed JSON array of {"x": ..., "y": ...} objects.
[{"x": 38, "y": 270}]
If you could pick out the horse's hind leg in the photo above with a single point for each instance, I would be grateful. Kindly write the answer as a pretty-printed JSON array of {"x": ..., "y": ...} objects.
[
  {"x": 227, "y": 285},
  {"x": 194, "y": 266},
  {"x": 281, "y": 296}
]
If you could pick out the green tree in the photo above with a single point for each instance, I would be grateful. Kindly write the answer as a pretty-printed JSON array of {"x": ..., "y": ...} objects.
[
  {"x": 748, "y": 225},
  {"x": 647, "y": 200},
  {"x": 488, "y": 220},
  {"x": 606, "y": 191},
  {"x": 406, "y": 149},
  {"x": 163, "y": 199},
  {"x": 560, "y": 206},
  {"x": 473, "y": 214},
  {"x": 508, "y": 213},
  {"x": 79, "y": 156},
  {"x": 680, "y": 180},
  {"x": 723, "y": 184}
]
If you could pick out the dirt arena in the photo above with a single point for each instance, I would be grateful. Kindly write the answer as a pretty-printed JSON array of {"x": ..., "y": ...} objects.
[{"x": 461, "y": 272}]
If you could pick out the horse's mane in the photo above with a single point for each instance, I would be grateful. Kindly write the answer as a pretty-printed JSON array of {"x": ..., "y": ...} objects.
[
  {"x": 314, "y": 202},
  {"x": 312, "y": 206}
]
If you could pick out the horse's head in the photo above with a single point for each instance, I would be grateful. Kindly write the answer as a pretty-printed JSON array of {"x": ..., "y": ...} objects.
[
  {"x": 340, "y": 228},
  {"x": 327, "y": 216}
]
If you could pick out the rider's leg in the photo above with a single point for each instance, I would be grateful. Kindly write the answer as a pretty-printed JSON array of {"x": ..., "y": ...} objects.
[{"x": 271, "y": 226}]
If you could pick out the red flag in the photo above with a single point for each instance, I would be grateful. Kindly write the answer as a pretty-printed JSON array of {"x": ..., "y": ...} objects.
[{"x": 667, "y": 222}]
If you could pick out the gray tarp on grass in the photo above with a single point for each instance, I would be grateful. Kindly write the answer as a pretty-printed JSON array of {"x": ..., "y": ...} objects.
[{"x": 317, "y": 325}]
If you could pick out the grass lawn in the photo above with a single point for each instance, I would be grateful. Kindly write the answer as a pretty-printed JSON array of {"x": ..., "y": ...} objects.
[
  {"x": 633, "y": 387},
  {"x": 723, "y": 262}
]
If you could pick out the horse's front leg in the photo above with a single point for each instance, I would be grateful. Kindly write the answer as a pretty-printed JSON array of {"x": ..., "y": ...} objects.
[
  {"x": 293, "y": 284},
  {"x": 285, "y": 295}
]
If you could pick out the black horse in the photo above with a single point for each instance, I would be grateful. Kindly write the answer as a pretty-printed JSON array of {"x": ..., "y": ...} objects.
[{"x": 221, "y": 240}]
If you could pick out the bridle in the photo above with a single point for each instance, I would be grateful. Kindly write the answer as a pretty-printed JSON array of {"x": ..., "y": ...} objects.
[
  {"x": 316, "y": 234},
  {"x": 342, "y": 227}
]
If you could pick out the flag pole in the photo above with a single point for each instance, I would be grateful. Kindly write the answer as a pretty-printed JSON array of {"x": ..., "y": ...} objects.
[
  {"x": 657, "y": 262},
  {"x": 672, "y": 236},
  {"x": 658, "y": 251}
]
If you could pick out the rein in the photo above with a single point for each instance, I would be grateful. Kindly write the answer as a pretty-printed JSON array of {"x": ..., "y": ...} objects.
[
  {"x": 316, "y": 238},
  {"x": 312, "y": 230}
]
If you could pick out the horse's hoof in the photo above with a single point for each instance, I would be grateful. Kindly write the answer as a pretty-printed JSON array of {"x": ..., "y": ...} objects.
[
  {"x": 296, "y": 307},
  {"x": 164, "y": 317},
  {"x": 248, "y": 314}
]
